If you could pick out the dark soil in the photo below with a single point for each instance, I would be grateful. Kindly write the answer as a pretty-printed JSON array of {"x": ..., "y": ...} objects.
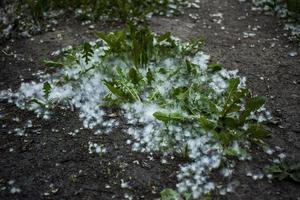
[{"x": 46, "y": 164}]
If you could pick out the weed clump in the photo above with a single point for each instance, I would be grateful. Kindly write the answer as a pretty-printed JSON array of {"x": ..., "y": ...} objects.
[
  {"x": 28, "y": 17},
  {"x": 174, "y": 100},
  {"x": 289, "y": 10}
]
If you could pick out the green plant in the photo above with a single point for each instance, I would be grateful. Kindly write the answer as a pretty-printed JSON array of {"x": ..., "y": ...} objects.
[
  {"x": 33, "y": 16},
  {"x": 87, "y": 52},
  {"x": 170, "y": 194},
  {"x": 285, "y": 170},
  {"x": 126, "y": 10},
  {"x": 293, "y": 5},
  {"x": 175, "y": 98},
  {"x": 47, "y": 103}
]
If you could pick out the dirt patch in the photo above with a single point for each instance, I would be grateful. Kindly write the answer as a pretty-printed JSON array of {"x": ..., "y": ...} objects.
[
  {"x": 48, "y": 163},
  {"x": 264, "y": 59}
]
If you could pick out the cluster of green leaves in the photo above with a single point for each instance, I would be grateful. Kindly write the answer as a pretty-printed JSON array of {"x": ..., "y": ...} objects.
[
  {"x": 69, "y": 58},
  {"x": 170, "y": 194},
  {"x": 134, "y": 57},
  {"x": 126, "y": 10},
  {"x": 46, "y": 90},
  {"x": 279, "y": 7},
  {"x": 140, "y": 50},
  {"x": 138, "y": 46},
  {"x": 285, "y": 170},
  {"x": 123, "y": 88},
  {"x": 225, "y": 117},
  {"x": 293, "y": 5},
  {"x": 235, "y": 113},
  {"x": 133, "y": 62},
  {"x": 33, "y": 16}
]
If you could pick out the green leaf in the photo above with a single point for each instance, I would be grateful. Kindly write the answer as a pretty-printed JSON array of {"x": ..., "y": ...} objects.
[
  {"x": 231, "y": 96},
  {"x": 121, "y": 88},
  {"x": 162, "y": 70},
  {"x": 293, "y": 5},
  {"x": 179, "y": 93},
  {"x": 103, "y": 36},
  {"x": 283, "y": 175},
  {"x": 87, "y": 52},
  {"x": 273, "y": 169},
  {"x": 50, "y": 63},
  {"x": 295, "y": 172},
  {"x": 214, "y": 67},
  {"x": 116, "y": 41},
  {"x": 206, "y": 123},
  {"x": 187, "y": 196},
  {"x": 224, "y": 137},
  {"x": 165, "y": 44},
  {"x": 72, "y": 58},
  {"x": 234, "y": 108},
  {"x": 193, "y": 46},
  {"x": 233, "y": 85},
  {"x": 149, "y": 76},
  {"x": 121, "y": 73},
  {"x": 231, "y": 122},
  {"x": 285, "y": 170},
  {"x": 252, "y": 105},
  {"x": 185, "y": 151},
  {"x": 258, "y": 131},
  {"x": 169, "y": 194},
  {"x": 206, "y": 196},
  {"x": 295, "y": 176},
  {"x": 191, "y": 67},
  {"x": 40, "y": 103},
  {"x": 46, "y": 89},
  {"x": 230, "y": 152},
  {"x": 142, "y": 45},
  {"x": 134, "y": 76},
  {"x": 166, "y": 117},
  {"x": 255, "y": 103},
  {"x": 116, "y": 91},
  {"x": 165, "y": 36}
]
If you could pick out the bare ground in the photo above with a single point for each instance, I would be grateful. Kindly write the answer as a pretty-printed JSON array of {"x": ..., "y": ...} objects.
[{"x": 55, "y": 165}]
